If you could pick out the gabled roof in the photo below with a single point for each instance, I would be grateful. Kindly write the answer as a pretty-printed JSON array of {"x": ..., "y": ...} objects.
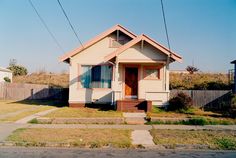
[
  {"x": 4, "y": 69},
  {"x": 143, "y": 37},
  {"x": 96, "y": 39}
]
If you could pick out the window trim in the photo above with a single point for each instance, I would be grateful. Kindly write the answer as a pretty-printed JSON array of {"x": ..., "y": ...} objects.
[
  {"x": 158, "y": 68},
  {"x": 80, "y": 73}
]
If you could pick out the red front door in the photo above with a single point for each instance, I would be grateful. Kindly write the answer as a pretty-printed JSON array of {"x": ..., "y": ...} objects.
[{"x": 131, "y": 82}]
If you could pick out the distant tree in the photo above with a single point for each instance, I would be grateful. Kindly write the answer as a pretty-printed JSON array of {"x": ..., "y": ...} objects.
[
  {"x": 12, "y": 62},
  {"x": 18, "y": 70},
  {"x": 7, "y": 79},
  {"x": 191, "y": 69}
]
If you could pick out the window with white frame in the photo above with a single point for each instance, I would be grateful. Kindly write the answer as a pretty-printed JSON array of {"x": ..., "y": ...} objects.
[{"x": 98, "y": 76}]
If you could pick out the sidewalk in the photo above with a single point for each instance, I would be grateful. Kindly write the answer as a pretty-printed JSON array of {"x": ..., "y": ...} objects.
[{"x": 31, "y": 117}]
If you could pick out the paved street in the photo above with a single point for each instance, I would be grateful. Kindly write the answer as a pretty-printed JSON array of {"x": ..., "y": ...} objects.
[{"x": 17, "y": 152}]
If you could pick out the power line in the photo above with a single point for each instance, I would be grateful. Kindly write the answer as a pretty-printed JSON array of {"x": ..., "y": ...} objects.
[
  {"x": 64, "y": 12},
  {"x": 45, "y": 25},
  {"x": 163, "y": 13}
]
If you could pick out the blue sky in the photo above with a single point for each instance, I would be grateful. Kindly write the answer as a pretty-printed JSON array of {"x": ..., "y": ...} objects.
[{"x": 201, "y": 31}]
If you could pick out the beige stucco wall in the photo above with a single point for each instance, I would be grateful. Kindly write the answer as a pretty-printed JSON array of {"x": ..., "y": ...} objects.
[
  {"x": 148, "y": 89},
  {"x": 147, "y": 53}
]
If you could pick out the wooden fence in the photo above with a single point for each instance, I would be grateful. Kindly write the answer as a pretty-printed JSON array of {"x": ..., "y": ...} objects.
[
  {"x": 208, "y": 99},
  {"x": 18, "y": 91}
]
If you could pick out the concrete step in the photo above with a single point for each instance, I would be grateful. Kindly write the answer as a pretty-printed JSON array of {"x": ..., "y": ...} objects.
[{"x": 134, "y": 118}]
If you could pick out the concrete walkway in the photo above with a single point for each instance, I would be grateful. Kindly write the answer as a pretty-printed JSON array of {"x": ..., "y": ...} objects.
[
  {"x": 142, "y": 137},
  {"x": 134, "y": 118},
  {"x": 136, "y": 127},
  {"x": 39, "y": 114}
]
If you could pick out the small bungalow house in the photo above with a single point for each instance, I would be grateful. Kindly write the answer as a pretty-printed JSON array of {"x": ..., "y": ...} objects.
[
  {"x": 120, "y": 68},
  {"x": 5, "y": 73}
]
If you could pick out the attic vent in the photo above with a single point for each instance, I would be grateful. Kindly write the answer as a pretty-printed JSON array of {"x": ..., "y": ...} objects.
[{"x": 115, "y": 44}]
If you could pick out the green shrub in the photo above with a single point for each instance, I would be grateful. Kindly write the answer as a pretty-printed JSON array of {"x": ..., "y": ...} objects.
[
  {"x": 226, "y": 143},
  {"x": 180, "y": 102},
  {"x": 7, "y": 79},
  {"x": 196, "y": 121},
  {"x": 34, "y": 121},
  {"x": 18, "y": 70}
]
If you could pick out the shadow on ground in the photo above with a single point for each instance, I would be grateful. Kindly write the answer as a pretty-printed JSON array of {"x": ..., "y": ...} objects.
[{"x": 56, "y": 103}]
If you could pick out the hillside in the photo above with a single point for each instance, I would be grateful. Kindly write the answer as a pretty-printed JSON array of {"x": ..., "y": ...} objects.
[
  {"x": 199, "y": 81},
  {"x": 177, "y": 81},
  {"x": 52, "y": 79}
]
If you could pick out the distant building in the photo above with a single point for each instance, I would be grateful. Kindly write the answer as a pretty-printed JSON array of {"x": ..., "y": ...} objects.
[
  {"x": 234, "y": 87},
  {"x": 5, "y": 73}
]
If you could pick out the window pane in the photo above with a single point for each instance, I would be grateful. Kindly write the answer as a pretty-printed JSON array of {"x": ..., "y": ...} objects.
[
  {"x": 86, "y": 76},
  {"x": 152, "y": 73},
  {"x": 96, "y": 76},
  {"x": 106, "y": 75}
]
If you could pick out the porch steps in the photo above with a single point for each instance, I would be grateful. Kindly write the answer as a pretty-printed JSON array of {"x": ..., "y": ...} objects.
[
  {"x": 134, "y": 118},
  {"x": 134, "y": 105}
]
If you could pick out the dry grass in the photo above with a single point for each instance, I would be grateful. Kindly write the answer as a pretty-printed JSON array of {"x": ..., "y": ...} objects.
[
  {"x": 195, "y": 114},
  {"x": 74, "y": 137},
  {"x": 52, "y": 79},
  {"x": 82, "y": 112},
  {"x": 210, "y": 138},
  {"x": 9, "y": 107},
  {"x": 187, "y": 81},
  {"x": 25, "y": 114},
  {"x": 156, "y": 112}
]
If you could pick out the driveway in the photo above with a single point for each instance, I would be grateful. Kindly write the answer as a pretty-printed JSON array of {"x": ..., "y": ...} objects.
[{"x": 16, "y": 152}]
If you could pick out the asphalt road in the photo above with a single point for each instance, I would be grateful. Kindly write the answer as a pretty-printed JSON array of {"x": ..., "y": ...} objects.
[{"x": 22, "y": 152}]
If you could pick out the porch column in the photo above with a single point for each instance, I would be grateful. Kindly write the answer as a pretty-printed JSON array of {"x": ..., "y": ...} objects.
[{"x": 115, "y": 84}]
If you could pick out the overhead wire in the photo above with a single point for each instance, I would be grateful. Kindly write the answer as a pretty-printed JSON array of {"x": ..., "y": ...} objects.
[
  {"x": 68, "y": 20},
  {"x": 46, "y": 26},
  {"x": 166, "y": 30}
]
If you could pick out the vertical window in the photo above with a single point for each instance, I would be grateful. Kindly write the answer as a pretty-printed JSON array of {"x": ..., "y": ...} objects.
[
  {"x": 86, "y": 76},
  {"x": 96, "y": 76}
]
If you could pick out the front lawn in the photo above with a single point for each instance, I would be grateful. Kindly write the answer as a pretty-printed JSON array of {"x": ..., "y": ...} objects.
[
  {"x": 11, "y": 111},
  {"x": 158, "y": 112},
  {"x": 10, "y": 107},
  {"x": 211, "y": 139},
  {"x": 82, "y": 112},
  {"x": 192, "y": 116},
  {"x": 92, "y": 138},
  {"x": 25, "y": 114}
]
